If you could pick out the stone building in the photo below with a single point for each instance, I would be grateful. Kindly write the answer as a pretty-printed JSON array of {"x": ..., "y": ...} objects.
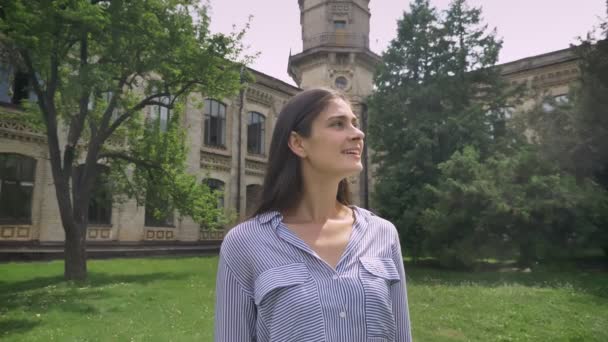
[{"x": 228, "y": 138}]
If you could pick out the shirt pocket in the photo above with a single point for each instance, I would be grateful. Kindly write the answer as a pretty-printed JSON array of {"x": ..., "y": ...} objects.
[
  {"x": 288, "y": 306},
  {"x": 378, "y": 275}
]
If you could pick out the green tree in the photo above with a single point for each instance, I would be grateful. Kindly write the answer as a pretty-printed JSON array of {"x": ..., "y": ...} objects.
[
  {"x": 436, "y": 92},
  {"x": 510, "y": 206},
  {"x": 94, "y": 66},
  {"x": 573, "y": 129}
]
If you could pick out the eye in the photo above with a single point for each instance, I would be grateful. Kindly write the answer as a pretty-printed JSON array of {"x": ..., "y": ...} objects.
[
  {"x": 337, "y": 124},
  {"x": 356, "y": 124}
]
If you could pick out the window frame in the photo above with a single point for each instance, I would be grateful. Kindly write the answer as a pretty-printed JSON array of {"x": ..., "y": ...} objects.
[
  {"x": 340, "y": 24},
  {"x": 158, "y": 111},
  {"x": 220, "y": 128},
  {"x": 21, "y": 182},
  {"x": 215, "y": 184},
  {"x": 260, "y": 138}
]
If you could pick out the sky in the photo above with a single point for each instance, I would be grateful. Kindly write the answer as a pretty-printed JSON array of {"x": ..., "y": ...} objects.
[{"x": 527, "y": 27}]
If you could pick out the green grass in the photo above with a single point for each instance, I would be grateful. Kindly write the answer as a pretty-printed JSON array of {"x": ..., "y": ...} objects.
[
  {"x": 172, "y": 299},
  {"x": 123, "y": 300}
]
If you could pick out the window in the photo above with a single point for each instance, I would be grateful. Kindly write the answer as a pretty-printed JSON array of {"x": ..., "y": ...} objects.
[
  {"x": 339, "y": 24},
  {"x": 252, "y": 197},
  {"x": 341, "y": 82},
  {"x": 216, "y": 185},
  {"x": 161, "y": 115},
  {"x": 215, "y": 123},
  {"x": 5, "y": 72},
  {"x": 256, "y": 133},
  {"x": 549, "y": 105},
  {"x": 497, "y": 120},
  {"x": 16, "y": 188},
  {"x": 158, "y": 211},
  {"x": 20, "y": 88},
  {"x": 100, "y": 203}
]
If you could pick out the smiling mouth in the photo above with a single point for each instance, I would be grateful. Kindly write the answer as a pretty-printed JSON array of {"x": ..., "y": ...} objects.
[{"x": 354, "y": 152}]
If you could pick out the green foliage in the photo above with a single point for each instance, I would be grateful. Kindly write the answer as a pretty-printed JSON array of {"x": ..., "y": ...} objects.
[
  {"x": 573, "y": 131},
  {"x": 98, "y": 67},
  {"x": 436, "y": 92},
  {"x": 509, "y": 206}
]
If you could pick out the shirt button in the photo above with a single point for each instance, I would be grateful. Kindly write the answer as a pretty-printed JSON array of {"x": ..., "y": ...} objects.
[
  {"x": 342, "y": 314},
  {"x": 335, "y": 277}
]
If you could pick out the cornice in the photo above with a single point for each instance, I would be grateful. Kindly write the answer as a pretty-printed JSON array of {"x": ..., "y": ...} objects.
[{"x": 15, "y": 130}]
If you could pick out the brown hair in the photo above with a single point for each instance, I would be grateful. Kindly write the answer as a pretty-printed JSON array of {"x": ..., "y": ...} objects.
[{"x": 282, "y": 188}]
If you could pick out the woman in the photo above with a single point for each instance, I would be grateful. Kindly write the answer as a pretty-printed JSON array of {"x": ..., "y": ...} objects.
[{"x": 308, "y": 266}]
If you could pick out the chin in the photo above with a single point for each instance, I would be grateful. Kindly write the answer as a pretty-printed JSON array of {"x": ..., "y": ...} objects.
[{"x": 353, "y": 171}]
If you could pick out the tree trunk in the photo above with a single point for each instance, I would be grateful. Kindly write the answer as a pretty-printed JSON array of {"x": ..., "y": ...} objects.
[{"x": 75, "y": 254}]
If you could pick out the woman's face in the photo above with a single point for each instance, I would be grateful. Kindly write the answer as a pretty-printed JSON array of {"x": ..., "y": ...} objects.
[{"x": 335, "y": 144}]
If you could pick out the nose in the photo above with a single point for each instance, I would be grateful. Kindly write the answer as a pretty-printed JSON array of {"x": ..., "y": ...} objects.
[{"x": 358, "y": 134}]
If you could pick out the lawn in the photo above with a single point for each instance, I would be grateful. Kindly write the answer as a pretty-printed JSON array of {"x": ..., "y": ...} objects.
[{"x": 172, "y": 299}]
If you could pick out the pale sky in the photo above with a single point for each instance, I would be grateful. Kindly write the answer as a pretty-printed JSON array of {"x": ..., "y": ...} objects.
[{"x": 527, "y": 27}]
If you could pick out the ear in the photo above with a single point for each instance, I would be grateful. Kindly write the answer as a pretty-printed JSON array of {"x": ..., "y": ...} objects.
[{"x": 296, "y": 145}]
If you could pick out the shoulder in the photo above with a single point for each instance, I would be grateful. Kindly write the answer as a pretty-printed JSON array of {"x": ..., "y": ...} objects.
[
  {"x": 242, "y": 248},
  {"x": 243, "y": 235},
  {"x": 377, "y": 224}
]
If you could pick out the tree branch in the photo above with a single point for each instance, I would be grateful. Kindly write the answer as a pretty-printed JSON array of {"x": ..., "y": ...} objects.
[
  {"x": 126, "y": 115},
  {"x": 117, "y": 155},
  {"x": 77, "y": 123}
]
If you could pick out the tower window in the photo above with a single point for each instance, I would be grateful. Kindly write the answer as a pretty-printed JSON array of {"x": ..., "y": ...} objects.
[
  {"x": 339, "y": 24},
  {"x": 341, "y": 82}
]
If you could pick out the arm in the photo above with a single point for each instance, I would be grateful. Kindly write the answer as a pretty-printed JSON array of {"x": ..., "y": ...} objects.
[
  {"x": 399, "y": 297},
  {"x": 235, "y": 313}
]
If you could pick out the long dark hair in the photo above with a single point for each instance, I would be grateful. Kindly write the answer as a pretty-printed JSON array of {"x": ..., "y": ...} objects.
[{"x": 282, "y": 189}]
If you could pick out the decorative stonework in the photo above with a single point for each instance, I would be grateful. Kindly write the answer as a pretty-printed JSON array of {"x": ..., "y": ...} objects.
[
  {"x": 214, "y": 161},
  {"x": 99, "y": 233},
  {"x": 259, "y": 96},
  {"x": 254, "y": 168},
  {"x": 15, "y": 130},
  {"x": 15, "y": 233},
  {"x": 212, "y": 234},
  {"x": 340, "y": 8},
  {"x": 157, "y": 234},
  {"x": 556, "y": 77}
]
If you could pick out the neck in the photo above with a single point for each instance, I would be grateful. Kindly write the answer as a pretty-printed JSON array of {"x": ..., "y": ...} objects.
[{"x": 318, "y": 202}]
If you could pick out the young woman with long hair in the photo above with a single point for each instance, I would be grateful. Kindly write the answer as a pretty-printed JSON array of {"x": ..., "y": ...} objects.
[{"x": 310, "y": 266}]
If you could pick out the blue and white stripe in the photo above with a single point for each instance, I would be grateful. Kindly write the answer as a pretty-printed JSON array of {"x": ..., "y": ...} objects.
[{"x": 272, "y": 287}]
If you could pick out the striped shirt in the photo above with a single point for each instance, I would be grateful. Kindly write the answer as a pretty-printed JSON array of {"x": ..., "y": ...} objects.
[{"x": 271, "y": 286}]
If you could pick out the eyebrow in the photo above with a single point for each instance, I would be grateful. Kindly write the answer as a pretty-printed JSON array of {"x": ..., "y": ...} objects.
[{"x": 342, "y": 117}]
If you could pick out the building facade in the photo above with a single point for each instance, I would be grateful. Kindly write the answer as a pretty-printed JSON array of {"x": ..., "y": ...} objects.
[{"x": 228, "y": 138}]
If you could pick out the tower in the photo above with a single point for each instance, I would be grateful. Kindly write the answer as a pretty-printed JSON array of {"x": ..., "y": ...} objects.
[{"x": 336, "y": 54}]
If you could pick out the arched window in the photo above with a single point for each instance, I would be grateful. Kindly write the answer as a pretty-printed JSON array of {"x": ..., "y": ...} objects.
[
  {"x": 216, "y": 185},
  {"x": 214, "y": 123},
  {"x": 252, "y": 197},
  {"x": 16, "y": 188},
  {"x": 161, "y": 115},
  {"x": 100, "y": 203},
  {"x": 256, "y": 133}
]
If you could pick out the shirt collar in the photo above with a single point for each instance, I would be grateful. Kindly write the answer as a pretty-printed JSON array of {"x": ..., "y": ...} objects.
[{"x": 274, "y": 217}]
